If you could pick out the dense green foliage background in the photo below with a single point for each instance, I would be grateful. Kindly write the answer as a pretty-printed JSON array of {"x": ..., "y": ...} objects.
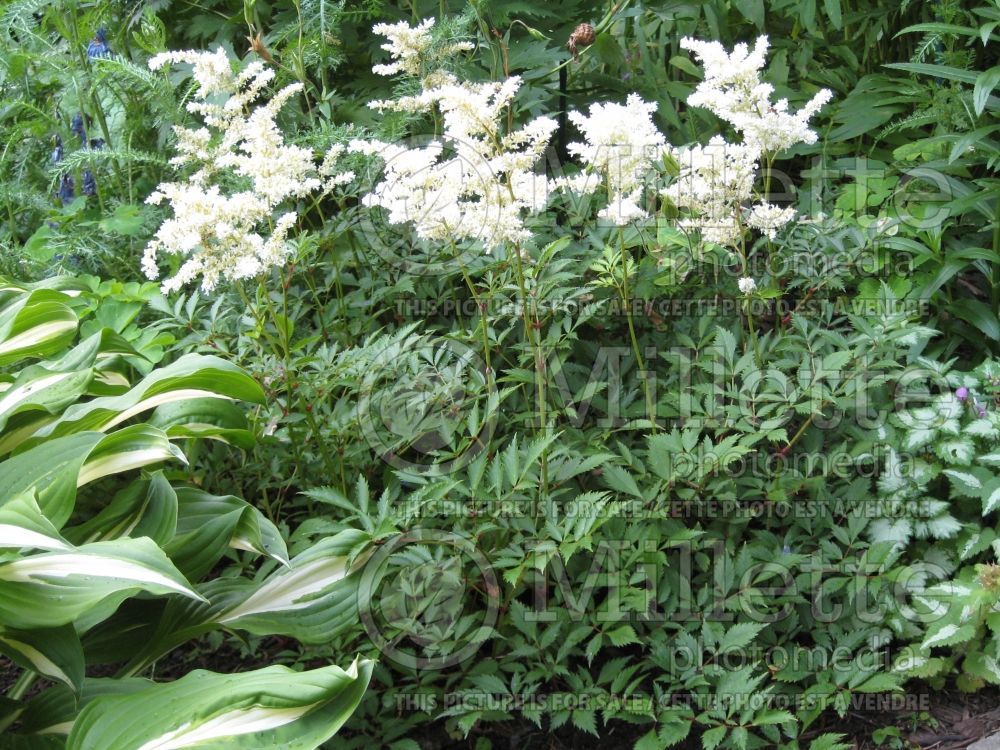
[{"x": 733, "y": 504}]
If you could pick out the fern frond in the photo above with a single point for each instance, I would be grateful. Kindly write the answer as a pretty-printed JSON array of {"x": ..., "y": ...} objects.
[
  {"x": 20, "y": 16},
  {"x": 122, "y": 70},
  {"x": 916, "y": 120},
  {"x": 930, "y": 43},
  {"x": 89, "y": 158}
]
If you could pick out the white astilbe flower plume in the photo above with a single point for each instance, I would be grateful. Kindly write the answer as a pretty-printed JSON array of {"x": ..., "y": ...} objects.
[
  {"x": 477, "y": 181},
  {"x": 769, "y": 218},
  {"x": 713, "y": 183},
  {"x": 620, "y": 147},
  {"x": 733, "y": 91},
  {"x": 243, "y": 172},
  {"x": 408, "y": 46}
]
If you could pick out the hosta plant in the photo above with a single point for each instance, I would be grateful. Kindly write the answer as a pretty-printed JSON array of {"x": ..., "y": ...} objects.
[{"x": 105, "y": 559}]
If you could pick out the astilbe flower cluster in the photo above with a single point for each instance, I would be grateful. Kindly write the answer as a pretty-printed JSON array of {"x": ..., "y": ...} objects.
[
  {"x": 477, "y": 181},
  {"x": 715, "y": 183},
  {"x": 410, "y": 47},
  {"x": 243, "y": 172},
  {"x": 620, "y": 148},
  {"x": 732, "y": 90}
]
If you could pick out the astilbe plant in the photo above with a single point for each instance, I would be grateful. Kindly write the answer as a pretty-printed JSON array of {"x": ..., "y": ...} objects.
[{"x": 224, "y": 223}]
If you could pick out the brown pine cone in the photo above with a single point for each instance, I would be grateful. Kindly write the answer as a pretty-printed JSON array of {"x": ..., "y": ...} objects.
[{"x": 582, "y": 36}]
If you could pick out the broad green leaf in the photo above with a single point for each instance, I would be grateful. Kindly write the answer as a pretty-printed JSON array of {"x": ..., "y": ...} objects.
[
  {"x": 833, "y": 11},
  {"x": 129, "y": 448},
  {"x": 23, "y": 526},
  {"x": 50, "y": 471},
  {"x": 752, "y": 10},
  {"x": 127, "y": 219},
  {"x": 985, "y": 83},
  {"x": 37, "y": 325},
  {"x": 146, "y": 507},
  {"x": 39, "y": 388},
  {"x": 266, "y": 709},
  {"x": 52, "y": 712},
  {"x": 190, "y": 377},
  {"x": 55, "y": 588},
  {"x": 212, "y": 418},
  {"x": 310, "y": 600},
  {"x": 53, "y": 652},
  {"x": 209, "y": 525}
]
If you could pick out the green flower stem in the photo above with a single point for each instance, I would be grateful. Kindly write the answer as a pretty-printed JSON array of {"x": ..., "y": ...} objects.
[
  {"x": 532, "y": 330},
  {"x": 643, "y": 373},
  {"x": 483, "y": 325}
]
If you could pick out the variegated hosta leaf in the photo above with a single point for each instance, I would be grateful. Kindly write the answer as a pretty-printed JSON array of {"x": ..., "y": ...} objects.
[
  {"x": 39, "y": 393},
  {"x": 192, "y": 376},
  {"x": 273, "y": 707},
  {"x": 50, "y": 471},
  {"x": 54, "y": 470},
  {"x": 212, "y": 418},
  {"x": 24, "y": 526},
  {"x": 39, "y": 388},
  {"x": 315, "y": 597},
  {"x": 312, "y": 601},
  {"x": 209, "y": 525},
  {"x": 36, "y": 325},
  {"x": 55, "y": 588},
  {"x": 129, "y": 448},
  {"x": 54, "y": 653},
  {"x": 147, "y": 507},
  {"x": 51, "y": 712}
]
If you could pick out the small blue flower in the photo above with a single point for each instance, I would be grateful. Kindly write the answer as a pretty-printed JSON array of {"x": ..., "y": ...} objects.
[
  {"x": 786, "y": 550},
  {"x": 96, "y": 144},
  {"x": 98, "y": 46},
  {"x": 57, "y": 151},
  {"x": 67, "y": 190},
  {"x": 89, "y": 183},
  {"x": 77, "y": 127}
]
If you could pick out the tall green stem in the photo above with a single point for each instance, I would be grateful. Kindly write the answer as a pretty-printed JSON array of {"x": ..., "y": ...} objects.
[
  {"x": 483, "y": 318},
  {"x": 626, "y": 303},
  {"x": 532, "y": 330}
]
